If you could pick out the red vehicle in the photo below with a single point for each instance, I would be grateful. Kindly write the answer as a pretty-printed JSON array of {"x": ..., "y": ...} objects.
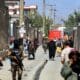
[{"x": 54, "y": 34}]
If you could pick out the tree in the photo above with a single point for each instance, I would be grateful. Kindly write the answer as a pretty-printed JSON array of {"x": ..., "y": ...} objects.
[
  {"x": 73, "y": 19},
  {"x": 49, "y": 22},
  {"x": 36, "y": 21}
]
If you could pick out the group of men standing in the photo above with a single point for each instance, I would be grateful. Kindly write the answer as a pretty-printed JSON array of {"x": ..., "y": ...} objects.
[
  {"x": 16, "y": 54},
  {"x": 30, "y": 46}
]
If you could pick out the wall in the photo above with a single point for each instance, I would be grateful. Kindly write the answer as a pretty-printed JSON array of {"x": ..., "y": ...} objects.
[{"x": 3, "y": 25}]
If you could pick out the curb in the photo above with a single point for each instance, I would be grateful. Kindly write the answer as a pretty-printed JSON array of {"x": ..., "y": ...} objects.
[{"x": 33, "y": 73}]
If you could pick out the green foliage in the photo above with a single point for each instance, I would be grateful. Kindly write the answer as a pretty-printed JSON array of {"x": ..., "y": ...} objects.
[
  {"x": 48, "y": 23},
  {"x": 36, "y": 21},
  {"x": 73, "y": 19}
]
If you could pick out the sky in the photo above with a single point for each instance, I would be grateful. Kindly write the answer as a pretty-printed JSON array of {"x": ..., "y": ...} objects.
[{"x": 63, "y": 7}]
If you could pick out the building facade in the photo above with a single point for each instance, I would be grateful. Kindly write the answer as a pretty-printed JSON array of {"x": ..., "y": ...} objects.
[
  {"x": 4, "y": 23},
  {"x": 14, "y": 13}
]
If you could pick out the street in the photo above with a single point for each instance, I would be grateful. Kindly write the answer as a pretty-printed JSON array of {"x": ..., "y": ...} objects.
[
  {"x": 25, "y": 24},
  {"x": 50, "y": 71}
]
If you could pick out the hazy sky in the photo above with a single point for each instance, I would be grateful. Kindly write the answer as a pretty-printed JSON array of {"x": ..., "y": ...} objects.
[{"x": 63, "y": 7}]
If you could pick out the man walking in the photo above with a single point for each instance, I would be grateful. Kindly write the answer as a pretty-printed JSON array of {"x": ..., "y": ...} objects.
[
  {"x": 16, "y": 60},
  {"x": 31, "y": 50},
  {"x": 65, "y": 52},
  {"x": 52, "y": 49}
]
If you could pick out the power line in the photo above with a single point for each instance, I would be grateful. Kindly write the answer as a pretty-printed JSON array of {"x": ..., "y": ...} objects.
[
  {"x": 54, "y": 16},
  {"x": 52, "y": 13}
]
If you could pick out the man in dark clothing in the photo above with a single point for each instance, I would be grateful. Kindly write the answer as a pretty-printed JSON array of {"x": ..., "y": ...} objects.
[
  {"x": 16, "y": 44},
  {"x": 16, "y": 60},
  {"x": 71, "y": 42},
  {"x": 31, "y": 50},
  {"x": 52, "y": 49},
  {"x": 36, "y": 43}
]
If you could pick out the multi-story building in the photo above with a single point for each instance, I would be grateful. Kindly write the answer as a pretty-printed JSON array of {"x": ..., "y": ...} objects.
[{"x": 14, "y": 13}]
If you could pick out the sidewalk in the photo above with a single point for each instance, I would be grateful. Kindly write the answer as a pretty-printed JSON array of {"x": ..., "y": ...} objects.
[
  {"x": 52, "y": 70},
  {"x": 31, "y": 67}
]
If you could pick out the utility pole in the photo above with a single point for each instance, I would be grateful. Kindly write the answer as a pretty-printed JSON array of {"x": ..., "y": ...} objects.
[
  {"x": 52, "y": 13},
  {"x": 43, "y": 17},
  {"x": 21, "y": 20},
  {"x": 51, "y": 10},
  {"x": 54, "y": 16}
]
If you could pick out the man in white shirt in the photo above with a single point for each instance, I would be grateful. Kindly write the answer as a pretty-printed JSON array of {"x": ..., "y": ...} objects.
[{"x": 65, "y": 52}]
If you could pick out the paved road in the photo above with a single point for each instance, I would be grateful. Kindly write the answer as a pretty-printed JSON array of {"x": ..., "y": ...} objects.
[
  {"x": 29, "y": 66},
  {"x": 52, "y": 69}
]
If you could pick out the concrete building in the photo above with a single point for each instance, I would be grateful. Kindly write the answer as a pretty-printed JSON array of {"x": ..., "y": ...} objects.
[
  {"x": 4, "y": 23},
  {"x": 14, "y": 13}
]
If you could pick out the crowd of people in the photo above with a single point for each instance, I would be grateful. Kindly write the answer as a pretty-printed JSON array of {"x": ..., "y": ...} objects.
[
  {"x": 70, "y": 57},
  {"x": 55, "y": 46},
  {"x": 30, "y": 47},
  {"x": 17, "y": 47}
]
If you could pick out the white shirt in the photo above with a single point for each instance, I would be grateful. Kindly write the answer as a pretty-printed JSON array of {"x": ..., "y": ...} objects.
[{"x": 65, "y": 53}]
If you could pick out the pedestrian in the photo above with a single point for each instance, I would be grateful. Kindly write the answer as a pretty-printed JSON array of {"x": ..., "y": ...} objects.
[
  {"x": 52, "y": 49},
  {"x": 36, "y": 43},
  {"x": 44, "y": 44},
  {"x": 65, "y": 52},
  {"x": 59, "y": 45},
  {"x": 25, "y": 45},
  {"x": 67, "y": 72},
  {"x": 71, "y": 41},
  {"x": 71, "y": 69},
  {"x": 31, "y": 50},
  {"x": 74, "y": 58},
  {"x": 15, "y": 57}
]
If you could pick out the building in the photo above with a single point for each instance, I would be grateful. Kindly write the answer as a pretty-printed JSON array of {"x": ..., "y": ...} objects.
[
  {"x": 14, "y": 13},
  {"x": 13, "y": 16},
  {"x": 4, "y": 23}
]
